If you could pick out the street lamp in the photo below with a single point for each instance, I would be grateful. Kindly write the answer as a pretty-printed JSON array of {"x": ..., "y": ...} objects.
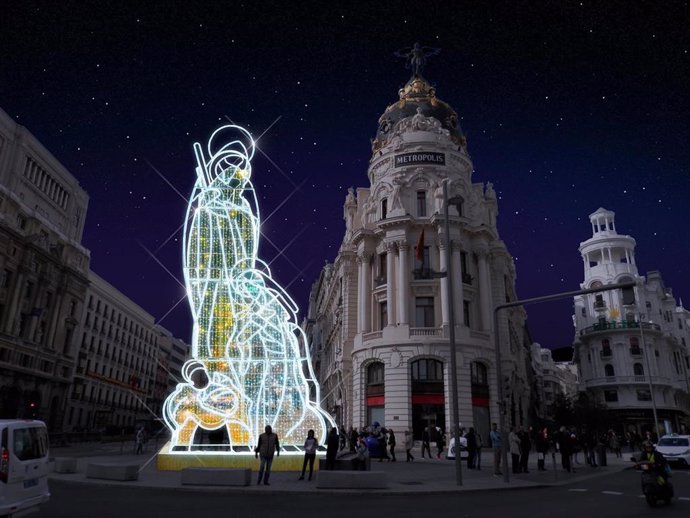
[
  {"x": 626, "y": 287},
  {"x": 649, "y": 375},
  {"x": 455, "y": 417}
]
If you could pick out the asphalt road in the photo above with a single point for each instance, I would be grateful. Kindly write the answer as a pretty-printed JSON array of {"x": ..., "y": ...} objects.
[{"x": 616, "y": 495}]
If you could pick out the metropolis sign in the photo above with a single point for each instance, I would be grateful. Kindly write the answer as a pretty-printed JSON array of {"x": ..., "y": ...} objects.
[{"x": 420, "y": 158}]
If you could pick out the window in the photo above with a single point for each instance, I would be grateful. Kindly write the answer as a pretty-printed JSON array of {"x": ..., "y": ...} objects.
[
  {"x": 383, "y": 314},
  {"x": 610, "y": 396},
  {"x": 382, "y": 266},
  {"x": 384, "y": 208},
  {"x": 421, "y": 204},
  {"x": 466, "y": 313},
  {"x": 30, "y": 443},
  {"x": 479, "y": 374},
  {"x": 375, "y": 372},
  {"x": 638, "y": 370},
  {"x": 608, "y": 370},
  {"x": 644, "y": 395},
  {"x": 605, "y": 348},
  {"x": 424, "y": 312},
  {"x": 427, "y": 370}
]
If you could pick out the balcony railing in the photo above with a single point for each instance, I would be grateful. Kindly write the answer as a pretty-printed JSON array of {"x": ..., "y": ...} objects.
[
  {"x": 622, "y": 380},
  {"x": 426, "y": 331},
  {"x": 623, "y": 324},
  {"x": 606, "y": 353}
]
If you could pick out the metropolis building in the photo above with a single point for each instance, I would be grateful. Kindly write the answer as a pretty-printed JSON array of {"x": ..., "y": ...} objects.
[
  {"x": 630, "y": 356},
  {"x": 378, "y": 319}
]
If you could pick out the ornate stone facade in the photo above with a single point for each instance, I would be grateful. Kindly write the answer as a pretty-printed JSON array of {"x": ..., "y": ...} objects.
[
  {"x": 43, "y": 269},
  {"x": 618, "y": 347},
  {"x": 378, "y": 318}
]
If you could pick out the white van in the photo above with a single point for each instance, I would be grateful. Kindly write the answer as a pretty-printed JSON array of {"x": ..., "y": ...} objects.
[{"x": 23, "y": 466}]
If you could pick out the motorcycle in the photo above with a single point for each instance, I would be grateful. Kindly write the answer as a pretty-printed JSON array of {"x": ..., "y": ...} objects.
[{"x": 654, "y": 486}]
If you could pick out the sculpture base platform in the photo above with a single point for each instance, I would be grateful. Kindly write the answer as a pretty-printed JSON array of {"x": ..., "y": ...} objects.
[{"x": 176, "y": 461}]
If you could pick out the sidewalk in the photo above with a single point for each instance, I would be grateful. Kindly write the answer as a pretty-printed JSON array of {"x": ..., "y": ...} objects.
[{"x": 420, "y": 476}]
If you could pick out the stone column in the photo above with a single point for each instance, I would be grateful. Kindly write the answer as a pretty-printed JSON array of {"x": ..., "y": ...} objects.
[
  {"x": 458, "y": 291},
  {"x": 443, "y": 266},
  {"x": 361, "y": 274},
  {"x": 403, "y": 282},
  {"x": 366, "y": 294},
  {"x": 390, "y": 283},
  {"x": 484, "y": 289}
]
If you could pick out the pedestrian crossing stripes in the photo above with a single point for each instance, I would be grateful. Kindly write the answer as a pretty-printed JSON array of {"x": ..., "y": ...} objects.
[
  {"x": 611, "y": 493},
  {"x": 578, "y": 490}
]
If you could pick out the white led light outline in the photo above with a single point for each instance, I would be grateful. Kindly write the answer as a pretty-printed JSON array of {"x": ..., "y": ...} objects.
[{"x": 245, "y": 340}]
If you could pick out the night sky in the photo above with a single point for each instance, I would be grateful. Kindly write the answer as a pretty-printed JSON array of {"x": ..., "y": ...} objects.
[{"x": 567, "y": 106}]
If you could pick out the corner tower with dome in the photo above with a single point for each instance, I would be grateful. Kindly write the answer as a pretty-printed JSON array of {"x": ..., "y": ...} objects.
[
  {"x": 378, "y": 318},
  {"x": 630, "y": 357}
]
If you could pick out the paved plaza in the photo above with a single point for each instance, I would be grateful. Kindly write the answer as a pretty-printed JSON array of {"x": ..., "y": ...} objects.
[{"x": 420, "y": 476}]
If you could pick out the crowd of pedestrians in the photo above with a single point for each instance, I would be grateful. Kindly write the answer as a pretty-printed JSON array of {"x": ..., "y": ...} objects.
[{"x": 381, "y": 443}]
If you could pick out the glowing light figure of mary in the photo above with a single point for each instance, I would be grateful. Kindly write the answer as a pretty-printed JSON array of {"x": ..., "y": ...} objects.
[{"x": 247, "y": 369}]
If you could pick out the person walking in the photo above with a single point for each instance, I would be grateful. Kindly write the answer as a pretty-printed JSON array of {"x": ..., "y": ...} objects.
[
  {"x": 391, "y": 443},
  {"x": 564, "y": 446},
  {"x": 426, "y": 442},
  {"x": 514, "y": 445},
  {"x": 471, "y": 448},
  {"x": 354, "y": 436},
  {"x": 383, "y": 445},
  {"x": 409, "y": 443},
  {"x": 615, "y": 443},
  {"x": 440, "y": 442},
  {"x": 139, "y": 441},
  {"x": 311, "y": 444},
  {"x": 268, "y": 445},
  {"x": 542, "y": 447},
  {"x": 362, "y": 453},
  {"x": 332, "y": 443},
  {"x": 478, "y": 453},
  {"x": 497, "y": 447}
]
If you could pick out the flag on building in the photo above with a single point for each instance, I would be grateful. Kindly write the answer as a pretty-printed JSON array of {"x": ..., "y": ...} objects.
[{"x": 419, "y": 249}]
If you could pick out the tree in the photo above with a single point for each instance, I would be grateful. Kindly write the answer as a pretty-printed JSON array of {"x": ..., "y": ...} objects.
[{"x": 562, "y": 410}]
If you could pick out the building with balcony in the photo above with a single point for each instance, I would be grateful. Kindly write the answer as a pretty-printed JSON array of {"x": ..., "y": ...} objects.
[
  {"x": 551, "y": 379},
  {"x": 378, "y": 320},
  {"x": 630, "y": 356},
  {"x": 43, "y": 276}
]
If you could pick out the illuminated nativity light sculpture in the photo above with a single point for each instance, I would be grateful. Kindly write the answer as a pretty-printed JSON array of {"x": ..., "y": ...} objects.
[{"x": 247, "y": 368}]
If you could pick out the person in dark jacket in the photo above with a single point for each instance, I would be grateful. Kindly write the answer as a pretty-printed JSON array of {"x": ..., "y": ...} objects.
[
  {"x": 354, "y": 437},
  {"x": 391, "y": 444},
  {"x": 471, "y": 448},
  {"x": 565, "y": 447},
  {"x": 426, "y": 442},
  {"x": 542, "y": 447},
  {"x": 332, "y": 443},
  {"x": 267, "y": 446},
  {"x": 382, "y": 440}
]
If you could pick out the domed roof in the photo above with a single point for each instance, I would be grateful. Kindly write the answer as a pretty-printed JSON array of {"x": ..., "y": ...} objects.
[{"x": 418, "y": 96}]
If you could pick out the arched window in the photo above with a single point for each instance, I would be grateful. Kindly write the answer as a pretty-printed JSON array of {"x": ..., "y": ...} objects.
[
  {"x": 638, "y": 370},
  {"x": 608, "y": 370},
  {"x": 605, "y": 347},
  {"x": 634, "y": 342},
  {"x": 427, "y": 369},
  {"x": 375, "y": 373},
  {"x": 376, "y": 389},
  {"x": 479, "y": 374}
]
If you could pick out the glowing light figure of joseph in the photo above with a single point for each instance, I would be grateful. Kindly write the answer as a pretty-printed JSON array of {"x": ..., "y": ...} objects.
[{"x": 247, "y": 369}]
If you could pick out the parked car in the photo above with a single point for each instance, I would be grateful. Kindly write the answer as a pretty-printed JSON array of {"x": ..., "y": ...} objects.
[
  {"x": 23, "y": 466},
  {"x": 675, "y": 448}
]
